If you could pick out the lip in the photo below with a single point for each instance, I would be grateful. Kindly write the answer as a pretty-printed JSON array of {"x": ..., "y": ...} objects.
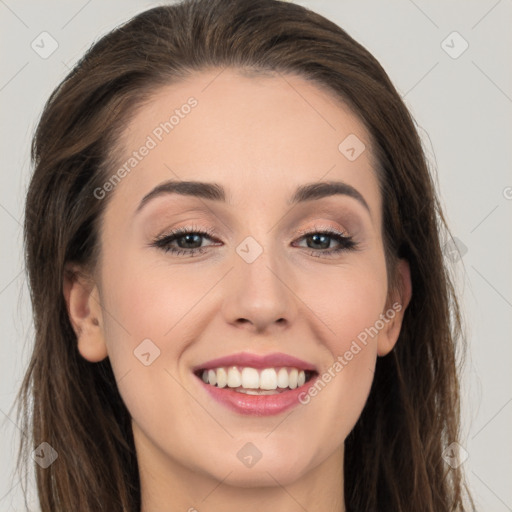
[
  {"x": 258, "y": 405},
  {"x": 274, "y": 360}
]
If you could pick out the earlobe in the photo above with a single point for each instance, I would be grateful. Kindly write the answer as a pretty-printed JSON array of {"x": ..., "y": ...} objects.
[
  {"x": 85, "y": 313},
  {"x": 402, "y": 296}
]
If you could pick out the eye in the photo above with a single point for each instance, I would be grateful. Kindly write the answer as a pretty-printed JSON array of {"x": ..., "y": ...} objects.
[
  {"x": 184, "y": 237},
  {"x": 188, "y": 241},
  {"x": 321, "y": 239}
]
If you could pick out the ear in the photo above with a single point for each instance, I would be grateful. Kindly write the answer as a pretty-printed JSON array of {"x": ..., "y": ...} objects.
[
  {"x": 399, "y": 301},
  {"x": 85, "y": 313}
]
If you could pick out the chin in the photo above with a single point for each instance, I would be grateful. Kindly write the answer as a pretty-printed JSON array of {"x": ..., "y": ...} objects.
[
  {"x": 263, "y": 474},
  {"x": 265, "y": 462}
]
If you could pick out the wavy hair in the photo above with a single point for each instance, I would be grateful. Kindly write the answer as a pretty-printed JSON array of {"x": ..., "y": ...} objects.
[{"x": 393, "y": 455}]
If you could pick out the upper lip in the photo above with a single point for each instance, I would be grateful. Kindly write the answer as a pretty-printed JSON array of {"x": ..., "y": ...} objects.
[{"x": 274, "y": 360}]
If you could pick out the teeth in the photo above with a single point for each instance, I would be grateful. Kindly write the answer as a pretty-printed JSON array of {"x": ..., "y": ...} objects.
[
  {"x": 292, "y": 378},
  {"x": 268, "y": 379},
  {"x": 250, "y": 378},
  {"x": 222, "y": 378},
  {"x": 234, "y": 378},
  {"x": 258, "y": 391},
  {"x": 282, "y": 378},
  {"x": 212, "y": 377},
  {"x": 253, "y": 381}
]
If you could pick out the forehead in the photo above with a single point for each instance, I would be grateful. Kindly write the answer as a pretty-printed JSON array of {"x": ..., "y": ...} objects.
[{"x": 260, "y": 136}]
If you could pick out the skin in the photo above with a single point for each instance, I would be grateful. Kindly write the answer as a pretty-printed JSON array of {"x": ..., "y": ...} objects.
[{"x": 214, "y": 304}]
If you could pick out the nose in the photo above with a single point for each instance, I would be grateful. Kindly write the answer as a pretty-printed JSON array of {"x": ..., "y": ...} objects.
[{"x": 259, "y": 295}]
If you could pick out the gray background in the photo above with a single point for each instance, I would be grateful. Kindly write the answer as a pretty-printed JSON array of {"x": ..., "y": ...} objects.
[{"x": 463, "y": 107}]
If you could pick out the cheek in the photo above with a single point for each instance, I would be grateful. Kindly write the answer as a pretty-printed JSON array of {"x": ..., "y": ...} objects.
[
  {"x": 150, "y": 321},
  {"x": 151, "y": 303},
  {"x": 349, "y": 303},
  {"x": 347, "y": 298}
]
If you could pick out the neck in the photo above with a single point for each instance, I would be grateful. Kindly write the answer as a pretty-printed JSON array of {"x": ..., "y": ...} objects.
[{"x": 166, "y": 483}]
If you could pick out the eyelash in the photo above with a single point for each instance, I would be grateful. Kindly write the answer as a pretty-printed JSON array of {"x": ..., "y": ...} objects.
[{"x": 163, "y": 242}]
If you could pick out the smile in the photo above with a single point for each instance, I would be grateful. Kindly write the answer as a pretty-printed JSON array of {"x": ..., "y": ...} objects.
[
  {"x": 250, "y": 384},
  {"x": 256, "y": 381}
]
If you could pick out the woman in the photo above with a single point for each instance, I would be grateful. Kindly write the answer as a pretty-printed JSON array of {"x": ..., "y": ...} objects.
[{"x": 233, "y": 245}]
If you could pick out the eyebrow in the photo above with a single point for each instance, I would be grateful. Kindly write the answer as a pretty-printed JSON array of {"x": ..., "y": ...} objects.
[{"x": 216, "y": 192}]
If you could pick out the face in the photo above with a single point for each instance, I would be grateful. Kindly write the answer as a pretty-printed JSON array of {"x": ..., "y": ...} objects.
[{"x": 286, "y": 291}]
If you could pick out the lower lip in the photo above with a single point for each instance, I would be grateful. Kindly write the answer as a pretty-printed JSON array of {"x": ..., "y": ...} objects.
[{"x": 258, "y": 405}]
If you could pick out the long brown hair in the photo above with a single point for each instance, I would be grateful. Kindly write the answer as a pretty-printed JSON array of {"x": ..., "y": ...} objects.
[{"x": 394, "y": 454}]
